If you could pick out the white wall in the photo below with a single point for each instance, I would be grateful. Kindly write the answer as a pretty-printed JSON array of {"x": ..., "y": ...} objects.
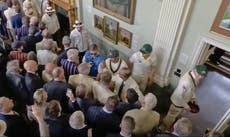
[
  {"x": 202, "y": 15},
  {"x": 143, "y": 29}
]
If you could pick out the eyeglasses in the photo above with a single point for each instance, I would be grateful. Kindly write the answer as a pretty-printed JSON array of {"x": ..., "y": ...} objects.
[{"x": 93, "y": 53}]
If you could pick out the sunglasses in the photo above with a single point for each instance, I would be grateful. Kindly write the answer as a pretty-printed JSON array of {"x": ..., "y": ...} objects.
[{"x": 93, "y": 54}]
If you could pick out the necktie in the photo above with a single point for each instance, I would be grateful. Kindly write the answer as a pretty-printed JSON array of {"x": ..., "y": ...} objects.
[{"x": 120, "y": 89}]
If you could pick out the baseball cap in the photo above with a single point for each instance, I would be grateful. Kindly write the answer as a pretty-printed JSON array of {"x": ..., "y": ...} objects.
[
  {"x": 146, "y": 49},
  {"x": 201, "y": 70},
  {"x": 113, "y": 53}
]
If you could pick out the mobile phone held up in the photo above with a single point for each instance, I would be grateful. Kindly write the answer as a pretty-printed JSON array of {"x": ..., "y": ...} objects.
[{"x": 69, "y": 92}]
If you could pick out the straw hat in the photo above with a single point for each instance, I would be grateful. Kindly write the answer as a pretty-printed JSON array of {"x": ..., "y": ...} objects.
[
  {"x": 77, "y": 24},
  {"x": 49, "y": 9}
]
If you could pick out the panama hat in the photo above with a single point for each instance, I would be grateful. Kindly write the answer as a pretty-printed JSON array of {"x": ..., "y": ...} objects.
[
  {"x": 49, "y": 9},
  {"x": 77, "y": 24}
]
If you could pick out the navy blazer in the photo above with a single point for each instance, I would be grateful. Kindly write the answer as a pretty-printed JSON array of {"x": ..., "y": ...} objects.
[
  {"x": 102, "y": 122},
  {"x": 16, "y": 126},
  {"x": 57, "y": 90},
  {"x": 33, "y": 82},
  {"x": 58, "y": 127}
]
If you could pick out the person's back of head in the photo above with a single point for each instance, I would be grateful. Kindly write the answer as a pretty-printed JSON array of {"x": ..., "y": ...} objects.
[
  {"x": 106, "y": 77},
  {"x": 111, "y": 103},
  {"x": 127, "y": 125},
  {"x": 77, "y": 120},
  {"x": 31, "y": 66},
  {"x": 66, "y": 41},
  {"x": 6, "y": 104},
  {"x": 40, "y": 96},
  {"x": 183, "y": 127},
  {"x": 9, "y": 3},
  {"x": 53, "y": 109},
  {"x": 45, "y": 34},
  {"x": 84, "y": 68},
  {"x": 13, "y": 66},
  {"x": 81, "y": 91},
  {"x": 32, "y": 56},
  {"x": 132, "y": 96},
  {"x": 58, "y": 73},
  {"x": 72, "y": 54},
  {"x": 49, "y": 67},
  {"x": 150, "y": 101},
  {"x": 3, "y": 128}
]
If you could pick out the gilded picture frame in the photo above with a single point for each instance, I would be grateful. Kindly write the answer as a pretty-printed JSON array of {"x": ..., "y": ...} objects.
[
  {"x": 98, "y": 22},
  {"x": 121, "y": 9},
  {"x": 221, "y": 24},
  {"x": 110, "y": 29},
  {"x": 124, "y": 37}
]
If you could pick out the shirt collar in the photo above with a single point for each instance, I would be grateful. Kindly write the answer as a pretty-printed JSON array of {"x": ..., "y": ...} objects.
[
  {"x": 107, "y": 111},
  {"x": 125, "y": 135}
]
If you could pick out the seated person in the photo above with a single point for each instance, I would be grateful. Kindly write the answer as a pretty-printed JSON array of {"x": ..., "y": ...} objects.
[
  {"x": 94, "y": 58},
  {"x": 146, "y": 119},
  {"x": 182, "y": 128}
]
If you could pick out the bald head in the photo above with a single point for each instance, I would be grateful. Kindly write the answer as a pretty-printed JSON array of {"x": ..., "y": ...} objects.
[
  {"x": 49, "y": 67},
  {"x": 31, "y": 66},
  {"x": 150, "y": 101}
]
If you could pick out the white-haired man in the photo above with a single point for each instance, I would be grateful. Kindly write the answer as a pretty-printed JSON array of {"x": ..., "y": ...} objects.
[
  {"x": 146, "y": 119},
  {"x": 70, "y": 65}
]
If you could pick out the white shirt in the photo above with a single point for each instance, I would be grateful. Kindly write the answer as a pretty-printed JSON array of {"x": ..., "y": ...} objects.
[
  {"x": 140, "y": 65},
  {"x": 114, "y": 66},
  {"x": 9, "y": 13},
  {"x": 46, "y": 56},
  {"x": 80, "y": 40},
  {"x": 51, "y": 22},
  {"x": 129, "y": 83},
  {"x": 184, "y": 91}
]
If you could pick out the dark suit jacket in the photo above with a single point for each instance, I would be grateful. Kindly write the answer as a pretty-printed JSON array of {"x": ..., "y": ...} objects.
[
  {"x": 114, "y": 135},
  {"x": 30, "y": 43},
  {"x": 78, "y": 132},
  {"x": 57, "y": 90},
  {"x": 16, "y": 126},
  {"x": 124, "y": 107},
  {"x": 166, "y": 135},
  {"x": 102, "y": 122},
  {"x": 33, "y": 82},
  {"x": 58, "y": 127}
]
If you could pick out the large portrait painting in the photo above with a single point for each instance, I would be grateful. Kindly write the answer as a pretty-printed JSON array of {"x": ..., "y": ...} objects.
[
  {"x": 221, "y": 24},
  {"x": 110, "y": 29},
  {"x": 122, "y": 9}
]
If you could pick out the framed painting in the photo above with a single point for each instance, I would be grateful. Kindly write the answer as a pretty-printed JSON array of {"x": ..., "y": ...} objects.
[
  {"x": 124, "y": 37},
  {"x": 121, "y": 9},
  {"x": 221, "y": 24},
  {"x": 98, "y": 22},
  {"x": 110, "y": 29}
]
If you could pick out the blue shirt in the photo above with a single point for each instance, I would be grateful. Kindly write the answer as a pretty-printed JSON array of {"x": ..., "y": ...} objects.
[{"x": 95, "y": 62}]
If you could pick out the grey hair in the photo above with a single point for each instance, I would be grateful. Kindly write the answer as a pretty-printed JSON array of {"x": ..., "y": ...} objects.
[
  {"x": 77, "y": 120},
  {"x": 150, "y": 101},
  {"x": 71, "y": 53},
  {"x": 83, "y": 68},
  {"x": 12, "y": 66},
  {"x": 183, "y": 127},
  {"x": 57, "y": 71}
]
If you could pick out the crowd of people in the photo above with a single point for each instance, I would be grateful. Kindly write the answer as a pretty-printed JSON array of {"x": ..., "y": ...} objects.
[{"x": 57, "y": 88}]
